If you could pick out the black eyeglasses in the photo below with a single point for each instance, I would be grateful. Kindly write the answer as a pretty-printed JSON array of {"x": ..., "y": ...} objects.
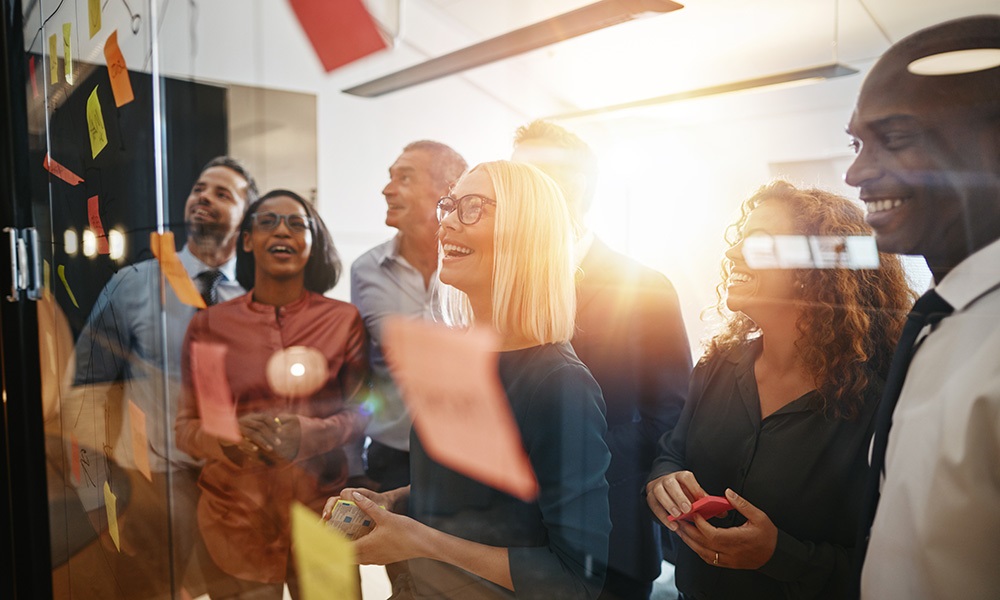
[
  {"x": 470, "y": 208},
  {"x": 269, "y": 221}
]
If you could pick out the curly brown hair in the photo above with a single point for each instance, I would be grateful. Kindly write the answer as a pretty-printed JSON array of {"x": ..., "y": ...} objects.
[{"x": 852, "y": 317}]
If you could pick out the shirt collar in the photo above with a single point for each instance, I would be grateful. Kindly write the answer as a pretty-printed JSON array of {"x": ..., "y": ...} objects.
[
  {"x": 972, "y": 278},
  {"x": 194, "y": 266}
]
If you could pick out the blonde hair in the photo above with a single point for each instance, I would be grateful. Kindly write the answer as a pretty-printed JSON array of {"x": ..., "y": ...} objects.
[{"x": 533, "y": 292}]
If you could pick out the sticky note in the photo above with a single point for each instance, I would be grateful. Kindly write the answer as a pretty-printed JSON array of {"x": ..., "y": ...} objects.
[
  {"x": 94, "y": 217},
  {"x": 215, "y": 398},
  {"x": 74, "y": 457},
  {"x": 461, "y": 414},
  {"x": 53, "y": 59},
  {"x": 164, "y": 251},
  {"x": 31, "y": 74},
  {"x": 68, "y": 51},
  {"x": 324, "y": 560},
  {"x": 110, "y": 503},
  {"x": 140, "y": 441},
  {"x": 60, "y": 171},
  {"x": 94, "y": 16},
  {"x": 340, "y": 32},
  {"x": 95, "y": 124},
  {"x": 121, "y": 85},
  {"x": 61, "y": 270}
]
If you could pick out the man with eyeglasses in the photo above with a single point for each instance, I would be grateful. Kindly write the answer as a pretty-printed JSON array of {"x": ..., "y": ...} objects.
[
  {"x": 630, "y": 334},
  {"x": 121, "y": 374},
  {"x": 398, "y": 277}
]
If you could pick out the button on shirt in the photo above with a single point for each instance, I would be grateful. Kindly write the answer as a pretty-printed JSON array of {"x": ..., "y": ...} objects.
[{"x": 936, "y": 533}]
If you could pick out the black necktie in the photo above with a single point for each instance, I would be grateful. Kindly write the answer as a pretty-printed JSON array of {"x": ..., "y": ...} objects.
[
  {"x": 928, "y": 310},
  {"x": 208, "y": 281}
]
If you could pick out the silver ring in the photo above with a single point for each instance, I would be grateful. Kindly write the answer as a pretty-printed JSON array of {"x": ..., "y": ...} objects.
[{"x": 716, "y": 561}]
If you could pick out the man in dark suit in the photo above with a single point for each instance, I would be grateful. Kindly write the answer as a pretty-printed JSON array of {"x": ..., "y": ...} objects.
[{"x": 629, "y": 332}]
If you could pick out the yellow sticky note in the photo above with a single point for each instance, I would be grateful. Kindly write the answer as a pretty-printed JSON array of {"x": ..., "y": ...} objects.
[
  {"x": 95, "y": 124},
  {"x": 324, "y": 559},
  {"x": 68, "y": 51},
  {"x": 53, "y": 59},
  {"x": 140, "y": 444},
  {"x": 110, "y": 503},
  {"x": 94, "y": 14},
  {"x": 61, "y": 270},
  {"x": 165, "y": 252}
]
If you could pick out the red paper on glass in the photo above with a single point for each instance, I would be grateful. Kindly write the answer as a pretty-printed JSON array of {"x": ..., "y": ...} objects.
[
  {"x": 60, "y": 171},
  {"x": 31, "y": 73},
  {"x": 215, "y": 398},
  {"x": 450, "y": 384},
  {"x": 340, "y": 31},
  {"x": 94, "y": 216}
]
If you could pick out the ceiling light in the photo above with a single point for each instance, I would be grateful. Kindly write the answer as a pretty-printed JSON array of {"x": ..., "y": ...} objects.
[
  {"x": 957, "y": 62},
  {"x": 799, "y": 77},
  {"x": 562, "y": 27}
]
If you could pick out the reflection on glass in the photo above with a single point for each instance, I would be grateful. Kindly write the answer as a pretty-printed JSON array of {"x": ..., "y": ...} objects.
[
  {"x": 70, "y": 242},
  {"x": 810, "y": 252},
  {"x": 116, "y": 244},
  {"x": 89, "y": 243}
]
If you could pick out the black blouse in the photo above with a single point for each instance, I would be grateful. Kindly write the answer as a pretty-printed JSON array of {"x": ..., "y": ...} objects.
[{"x": 804, "y": 469}]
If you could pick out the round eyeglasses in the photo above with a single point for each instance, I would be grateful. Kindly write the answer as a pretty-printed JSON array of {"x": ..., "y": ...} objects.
[
  {"x": 470, "y": 208},
  {"x": 269, "y": 221}
]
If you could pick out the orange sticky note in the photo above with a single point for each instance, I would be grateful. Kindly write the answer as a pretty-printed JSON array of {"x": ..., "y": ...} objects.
[
  {"x": 74, "y": 458},
  {"x": 461, "y": 414},
  {"x": 110, "y": 503},
  {"x": 68, "y": 51},
  {"x": 61, "y": 270},
  {"x": 31, "y": 74},
  {"x": 53, "y": 59},
  {"x": 94, "y": 16},
  {"x": 95, "y": 124},
  {"x": 94, "y": 216},
  {"x": 215, "y": 398},
  {"x": 173, "y": 270},
  {"x": 121, "y": 85},
  {"x": 60, "y": 171},
  {"x": 140, "y": 445},
  {"x": 324, "y": 560}
]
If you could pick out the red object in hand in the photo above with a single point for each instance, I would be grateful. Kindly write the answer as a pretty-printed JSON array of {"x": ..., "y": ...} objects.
[{"x": 708, "y": 507}]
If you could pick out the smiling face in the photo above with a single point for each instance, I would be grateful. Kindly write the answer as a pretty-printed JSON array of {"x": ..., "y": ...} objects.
[
  {"x": 280, "y": 254},
  {"x": 467, "y": 250},
  {"x": 216, "y": 204},
  {"x": 752, "y": 291},
  {"x": 412, "y": 193}
]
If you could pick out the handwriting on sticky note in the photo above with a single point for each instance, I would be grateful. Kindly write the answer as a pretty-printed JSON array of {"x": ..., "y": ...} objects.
[
  {"x": 110, "y": 503},
  {"x": 53, "y": 59},
  {"x": 324, "y": 560},
  {"x": 121, "y": 85},
  {"x": 61, "y": 270},
  {"x": 94, "y": 217},
  {"x": 60, "y": 171},
  {"x": 140, "y": 444},
  {"x": 215, "y": 398},
  {"x": 95, "y": 124},
  {"x": 450, "y": 383},
  {"x": 94, "y": 16},
  {"x": 68, "y": 51},
  {"x": 163, "y": 249}
]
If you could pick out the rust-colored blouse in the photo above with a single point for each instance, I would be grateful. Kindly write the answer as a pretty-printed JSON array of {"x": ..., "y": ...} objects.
[{"x": 243, "y": 512}]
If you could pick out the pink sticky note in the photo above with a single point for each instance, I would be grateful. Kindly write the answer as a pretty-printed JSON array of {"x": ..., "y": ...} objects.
[
  {"x": 60, "y": 171},
  {"x": 140, "y": 444},
  {"x": 74, "y": 458},
  {"x": 340, "y": 32},
  {"x": 215, "y": 399},
  {"x": 461, "y": 414},
  {"x": 94, "y": 216}
]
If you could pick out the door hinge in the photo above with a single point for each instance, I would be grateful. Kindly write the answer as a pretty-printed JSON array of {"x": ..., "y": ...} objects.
[{"x": 25, "y": 264}]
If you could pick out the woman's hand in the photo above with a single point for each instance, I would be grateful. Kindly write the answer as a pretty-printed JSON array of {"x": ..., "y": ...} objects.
[
  {"x": 673, "y": 494},
  {"x": 748, "y": 546},
  {"x": 395, "y": 537}
]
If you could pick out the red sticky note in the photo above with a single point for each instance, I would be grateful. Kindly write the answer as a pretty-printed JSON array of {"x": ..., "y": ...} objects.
[
  {"x": 121, "y": 85},
  {"x": 340, "y": 31},
  {"x": 31, "y": 74},
  {"x": 74, "y": 458},
  {"x": 173, "y": 270},
  {"x": 60, "y": 171},
  {"x": 94, "y": 216},
  {"x": 461, "y": 414},
  {"x": 215, "y": 398},
  {"x": 140, "y": 443}
]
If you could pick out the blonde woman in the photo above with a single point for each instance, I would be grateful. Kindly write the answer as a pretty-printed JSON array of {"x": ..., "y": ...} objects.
[{"x": 507, "y": 262}]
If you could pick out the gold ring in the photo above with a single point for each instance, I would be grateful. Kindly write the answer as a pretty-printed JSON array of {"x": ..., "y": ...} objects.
[
  {"x": 716, "y": 561},
  {"x": 278, "y": 421}
]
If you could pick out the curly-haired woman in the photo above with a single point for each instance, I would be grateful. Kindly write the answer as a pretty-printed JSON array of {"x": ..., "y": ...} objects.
[{"x": 781, "y": 410}]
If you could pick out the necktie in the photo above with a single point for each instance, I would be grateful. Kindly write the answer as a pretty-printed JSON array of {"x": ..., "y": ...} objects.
[
  {"x": 928, "y": 310},
  {"x": 208, "y": 282}
]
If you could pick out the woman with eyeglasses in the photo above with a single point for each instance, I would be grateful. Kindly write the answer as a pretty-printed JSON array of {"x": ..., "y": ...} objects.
[
  {"x": 295, "y": 363},
  {"x": 782, "y": 404},
  {"x": 506, "y": 262}
]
